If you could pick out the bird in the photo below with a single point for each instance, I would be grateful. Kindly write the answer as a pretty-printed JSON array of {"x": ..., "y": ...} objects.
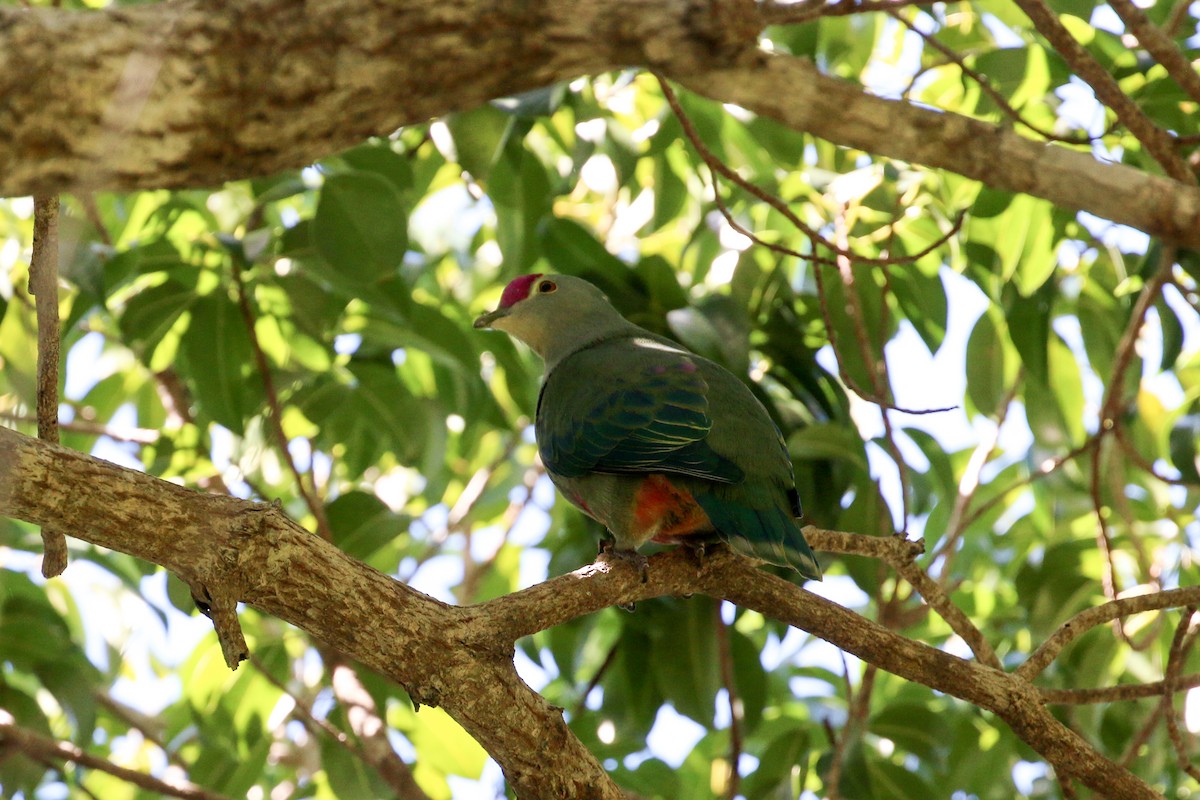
[{"x": 653, "y": 441}]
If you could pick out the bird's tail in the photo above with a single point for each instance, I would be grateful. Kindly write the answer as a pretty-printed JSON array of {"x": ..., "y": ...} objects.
[{"x": 770, "y": 534}]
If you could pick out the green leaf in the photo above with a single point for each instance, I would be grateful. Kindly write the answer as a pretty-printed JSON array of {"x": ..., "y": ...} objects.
[
  {"x": 749, "y": 677},
  {"x": 360, "y": 227},
  {"x": 1172, "y": 335},
  {"x": 150, "y": 313},
  {"x": 380, "y": 159},
  {"x": 828, "y": 441},
  {"x": 922, "y": 298},
  {"x": 689, "y": 676},
  {"x": 988, "y": 379},
  {"x": 362, "y": 523},
  {"x": 479, "y": 137},
  {"x": 632, "y": 692},
  {"x": 535, "y": 103},
  {"x": 573, "y": 250},
  {"x": 1029, "y": 325},
  {"x": 1183, "y": 441},
  {"x": 218, "y": 355},
  {"x": 782, "y": 766}
]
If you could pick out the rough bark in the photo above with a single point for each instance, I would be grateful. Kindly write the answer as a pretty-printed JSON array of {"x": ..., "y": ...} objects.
[
  {"x": 187, "y": 93},
  {"x": 461, "y": 657}
]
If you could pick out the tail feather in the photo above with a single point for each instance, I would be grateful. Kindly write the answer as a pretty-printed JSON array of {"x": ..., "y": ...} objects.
[{"x": 771, "y": 533}]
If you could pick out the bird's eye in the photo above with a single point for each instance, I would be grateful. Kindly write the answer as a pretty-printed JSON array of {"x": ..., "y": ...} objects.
[{"x": 547, "y": 286}]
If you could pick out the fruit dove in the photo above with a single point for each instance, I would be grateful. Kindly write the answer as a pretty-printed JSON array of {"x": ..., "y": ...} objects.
[{"x": 653, "y": 441}]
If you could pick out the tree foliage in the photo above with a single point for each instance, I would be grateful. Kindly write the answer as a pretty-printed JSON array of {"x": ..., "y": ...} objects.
[{"x": 1012, "y": 380}]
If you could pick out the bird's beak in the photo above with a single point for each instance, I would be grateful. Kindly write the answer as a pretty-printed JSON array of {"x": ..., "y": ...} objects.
[{"x": 486, "y": 320}]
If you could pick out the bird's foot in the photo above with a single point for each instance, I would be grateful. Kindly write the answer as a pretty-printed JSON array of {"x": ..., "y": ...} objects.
[
  {"x": 610, "y": 552},
  {"x": 700, "y": 549}
]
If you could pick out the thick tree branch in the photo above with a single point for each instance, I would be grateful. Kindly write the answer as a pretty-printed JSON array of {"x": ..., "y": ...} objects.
[
  {"x": 441, "y": 654},
  {"x": 192, "y": 92},
  {"x": 189, "y": 93},
  {"x": 461, "y": 657}
]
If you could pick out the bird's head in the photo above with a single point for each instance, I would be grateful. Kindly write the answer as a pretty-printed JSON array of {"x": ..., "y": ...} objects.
[{"x": 553, "y": 314}]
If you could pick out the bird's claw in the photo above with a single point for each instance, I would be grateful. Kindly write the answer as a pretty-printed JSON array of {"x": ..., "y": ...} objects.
[{"x": 609, "y": 552}]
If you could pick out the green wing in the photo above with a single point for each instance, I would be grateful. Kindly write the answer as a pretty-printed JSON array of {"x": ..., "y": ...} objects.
[{"x": 628, "y": 405}]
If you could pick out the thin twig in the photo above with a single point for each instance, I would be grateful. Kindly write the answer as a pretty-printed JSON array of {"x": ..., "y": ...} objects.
[
  {"x": 936, "y": 596},
  {"x": 41, "y": 747},
  {"x": 839, "y": 741},
  {"x": 275, "y": 408},
  {"x": 793, "y": 13},
  {"x": 1176, "y": 17},
  {"x": 968, "y": 483},
  {"x": 840, "y": 249},
  {"x": 901, "y": 553},
  {"x": 1158, "y": 143},
  {"x": 608, "y": 661},
  {"x": 366, "y": 723},
  {"x": 303, "y": 711},
  {"x": 1089, "y": 618},
  {"x": 957, "y": 59},
  {"x": 719, "y": 167},
  {"x": 1159, "y": 46},
  {"x": 1139, "y": 739},
  {"x": 1115, "y": 694},
  {"x": 1109, "y": 580},
  {"x": 1045, "y": 469},
  {"x": 1114, "y": 393},
  {"x": 1143, "y": 463},
  {"x": 1127, "y": 346},
  {"x": 1181, "y": 642},
  {"x": 144, "y": 436},
  {"x": 43, "y": 284}
]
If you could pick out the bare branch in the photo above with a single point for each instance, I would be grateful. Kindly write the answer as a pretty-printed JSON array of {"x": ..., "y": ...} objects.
[
  {"x": 775, "y": 13},
  {"x": 1181, "y": 642},
  {"x": 1115, "y": 694},
  {"x": 41, "y": 748},
  {"x": 1159, "y": 45},
  {"x": 464, "y": 661},
  {"x": 1085, "y": 620},
  {"x": 43, "y": 284}
]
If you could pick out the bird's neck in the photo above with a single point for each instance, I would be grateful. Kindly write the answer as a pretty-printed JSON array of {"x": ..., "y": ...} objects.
[{"x": 554, "y": 350}]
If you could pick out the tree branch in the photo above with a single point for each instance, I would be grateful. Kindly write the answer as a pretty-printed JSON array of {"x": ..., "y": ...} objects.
[
  {"x": 1089, "y": 618},
  {"x": 1158, "y": 142},
  {"x": 43, "y": 284},
  {"x": 792, "y": 91},
  {"x": 461, "y": 657},
  {"x": 188, "y": 93},
  {"x": 44, "y": 749},
  {"x": 1159, "y": 45}
]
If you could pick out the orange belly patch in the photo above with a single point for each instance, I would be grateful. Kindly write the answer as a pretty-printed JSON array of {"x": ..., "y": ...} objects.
[{"x": 671, "y": 510}]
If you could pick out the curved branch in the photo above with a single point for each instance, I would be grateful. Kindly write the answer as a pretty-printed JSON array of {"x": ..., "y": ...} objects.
[
  {"x": 461, "y": 657},
  {"x": 1089, "y": 618}
]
